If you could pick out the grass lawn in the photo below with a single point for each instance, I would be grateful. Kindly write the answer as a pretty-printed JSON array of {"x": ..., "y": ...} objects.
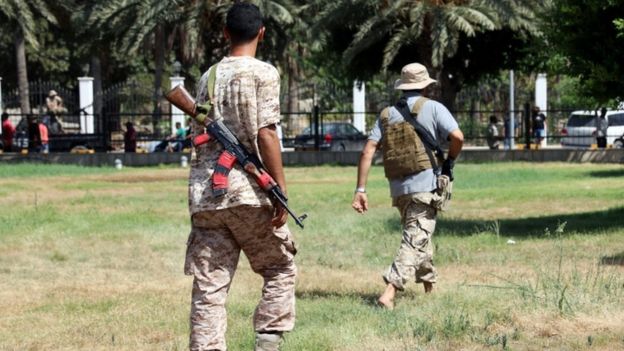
[{"x": 91, "y": 259}]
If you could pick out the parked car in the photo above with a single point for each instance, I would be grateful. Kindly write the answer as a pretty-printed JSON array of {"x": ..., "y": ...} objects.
[
  {"x": 580, "y": 130},
  {"x": 619, "y": 143},
  {"x": 334, "y": 136}
]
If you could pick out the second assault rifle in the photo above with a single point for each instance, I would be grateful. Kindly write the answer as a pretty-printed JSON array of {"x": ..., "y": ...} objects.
[{"x": 234, "y": 151}]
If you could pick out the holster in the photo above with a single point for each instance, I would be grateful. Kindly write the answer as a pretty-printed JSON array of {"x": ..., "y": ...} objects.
[{"x": 443, "y": 193}]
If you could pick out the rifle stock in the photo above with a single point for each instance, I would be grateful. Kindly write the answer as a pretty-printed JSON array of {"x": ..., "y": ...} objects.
[{"x": 181, "y": 98}]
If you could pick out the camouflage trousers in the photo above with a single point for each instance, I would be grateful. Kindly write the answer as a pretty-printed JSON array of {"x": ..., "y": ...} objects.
[
  {"x": 414, "y": 260},
  {"x": 213, "y": 250}
]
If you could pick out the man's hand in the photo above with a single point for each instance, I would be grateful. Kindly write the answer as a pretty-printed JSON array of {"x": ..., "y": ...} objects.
[
  {"x": 360, "y": 202},
  {"x": 447, "y": 168},
  {"x": 280, "y": 216},
  {"x": 456, "y": 142}
]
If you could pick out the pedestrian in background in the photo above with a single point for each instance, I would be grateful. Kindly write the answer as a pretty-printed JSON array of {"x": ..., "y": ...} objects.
[
  {"x": 34, "y": 138},
  {"x": 492, "y": 134},
  {"x": 601, "y": 129},
  {"x": 8, "y": 132},
  {"x": 130, "y": 138},
  {"x": 539, "y": 126},
  {"x": 54, "y": 104},
  {"x": 44, "y": 146}
]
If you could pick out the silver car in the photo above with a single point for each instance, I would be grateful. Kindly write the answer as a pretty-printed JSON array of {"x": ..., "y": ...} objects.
[{"x": 580, "y": 130}]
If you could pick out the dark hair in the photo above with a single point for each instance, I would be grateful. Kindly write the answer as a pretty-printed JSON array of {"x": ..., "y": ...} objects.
[
  {"x": 493, "y": 119},
  {"x": 603, "y": 112},
  {"x": 5, "y": 116},
  {"x": 243, "y": 22}
]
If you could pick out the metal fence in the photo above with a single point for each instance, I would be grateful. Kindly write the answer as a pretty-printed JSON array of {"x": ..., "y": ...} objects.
[
  {"x": 474, "y": 124},
  {"x": 131, "y": 102},
  {"x": 153, "y": 128}
]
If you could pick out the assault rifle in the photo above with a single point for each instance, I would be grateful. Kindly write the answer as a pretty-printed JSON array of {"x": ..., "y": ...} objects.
[{"x": 234, "y": 151}]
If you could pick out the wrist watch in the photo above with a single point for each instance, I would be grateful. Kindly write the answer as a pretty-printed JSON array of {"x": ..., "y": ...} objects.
[{"x": 360, "y": 190}]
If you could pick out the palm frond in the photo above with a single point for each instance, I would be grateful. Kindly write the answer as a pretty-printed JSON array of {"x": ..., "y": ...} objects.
[{"x": 396, "y": 42}]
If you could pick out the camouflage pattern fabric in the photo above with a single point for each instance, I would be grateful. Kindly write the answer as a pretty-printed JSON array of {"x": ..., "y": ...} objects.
[
  {"x": 213, "y": 250},
  {"x": 414, "y": 260},
  {"x": 246, "y": 96}
]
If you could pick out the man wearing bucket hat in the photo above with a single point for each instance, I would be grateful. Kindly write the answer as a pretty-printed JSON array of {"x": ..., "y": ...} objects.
[
  {"x": 54, "y": 103},
  {"x": 420, "y": 177}
]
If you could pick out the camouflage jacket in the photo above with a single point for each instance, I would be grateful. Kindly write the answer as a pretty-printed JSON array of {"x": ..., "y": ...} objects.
[{"x": 246, "y": 96}]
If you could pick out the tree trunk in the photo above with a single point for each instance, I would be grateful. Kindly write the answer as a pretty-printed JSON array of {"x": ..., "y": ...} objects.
[
  {"x": 103, "y": 125},
  {"x": 293, "y": 86},
  {"x": 447, "y": 87},
  {"x": 22, "y": 72},
  {"x": 159, "y": 60},
  {"x": 96, "y": 72}
]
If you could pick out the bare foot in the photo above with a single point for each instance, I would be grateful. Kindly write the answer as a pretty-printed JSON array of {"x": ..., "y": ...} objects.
[
  {"x": 385, "y": 303},
  {"x": 428, "y": 287},
  {"x": 386, "y": 300}
]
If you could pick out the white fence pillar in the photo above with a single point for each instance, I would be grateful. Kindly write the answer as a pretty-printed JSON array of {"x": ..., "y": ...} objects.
[
  {"x": 176, "y": 114},
  {"x": 541, "y": 100},
  {"x": 359, "y": 106},
  {"x": 85, "y": 88},
  {"x": 280, "y": 135}
]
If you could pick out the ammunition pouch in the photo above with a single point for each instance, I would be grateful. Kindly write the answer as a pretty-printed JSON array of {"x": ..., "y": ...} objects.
[{"x": 220, "y": 176}]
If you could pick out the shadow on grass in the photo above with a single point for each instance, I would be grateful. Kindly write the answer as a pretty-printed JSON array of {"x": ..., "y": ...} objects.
[
  {"x": 367, "y": 299},
  {"x": 615, "y": 260},
  {"x": 580, "y": 223},
  {"x": 608, "y": 173}
]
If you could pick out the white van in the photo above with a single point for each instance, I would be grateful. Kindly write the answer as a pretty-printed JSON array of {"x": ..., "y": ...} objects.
[{"x": 580, "y": 130}]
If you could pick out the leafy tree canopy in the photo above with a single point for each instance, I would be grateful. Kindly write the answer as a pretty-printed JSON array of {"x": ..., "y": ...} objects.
[
  {"x": 458, "y": 40},
  {"x": 589, "y": 35}
]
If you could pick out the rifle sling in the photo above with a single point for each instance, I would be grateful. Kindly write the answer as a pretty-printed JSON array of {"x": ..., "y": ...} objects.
[
  {"x": 426, "y": 137},
  {"x": 212, "y": 79}
]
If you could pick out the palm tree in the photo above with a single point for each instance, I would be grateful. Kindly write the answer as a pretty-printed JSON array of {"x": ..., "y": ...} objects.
[
  {"x": 133, "y": 24},
  {"x": 19, "y": 17},
  {"x": 432, "y": 31},
  {"x": 289, "y": 40},
  {"x": 191, "y": 23}
]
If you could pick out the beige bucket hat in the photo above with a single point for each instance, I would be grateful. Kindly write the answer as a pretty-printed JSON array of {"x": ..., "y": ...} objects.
[{"x": 413, "y": 76}]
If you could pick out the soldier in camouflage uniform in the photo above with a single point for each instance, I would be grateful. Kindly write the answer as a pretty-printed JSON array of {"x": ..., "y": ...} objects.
[
  {"x": 246, "y": 96},
  {"x": 418, "y": 181}
]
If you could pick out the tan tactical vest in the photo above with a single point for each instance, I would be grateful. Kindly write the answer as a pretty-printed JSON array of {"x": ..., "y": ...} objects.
[{"x": 403, "y": 151}]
